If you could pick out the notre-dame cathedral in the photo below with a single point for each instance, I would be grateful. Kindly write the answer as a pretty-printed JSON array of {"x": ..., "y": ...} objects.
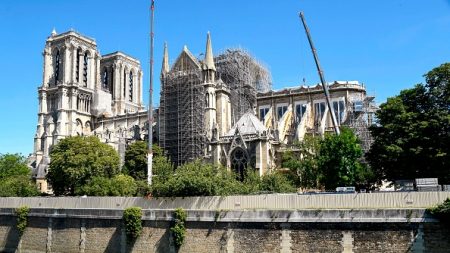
[
  {"x": 220, "y": 109},
  {"x": 86, "y": 93}
]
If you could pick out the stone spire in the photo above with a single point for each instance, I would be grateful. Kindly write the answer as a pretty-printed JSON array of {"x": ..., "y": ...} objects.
[
  {"x": 209, "y": 60},
  {"x": 54, "y": 32},
  {"x": 165, "y": 62}
]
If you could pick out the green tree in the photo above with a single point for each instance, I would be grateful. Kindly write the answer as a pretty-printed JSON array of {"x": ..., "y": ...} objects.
[
  {"x": 302, "y": 162},
  {"x": 412, "y": 138},
  {"x": 15, "y": 177},
  {"x": 13, "y": 165},
  {"x": 18, "y": 186},
  {"x": 339, "y": 160},
  {"x": 135, "y": 163},
  {"x": 75, "y": 160}
]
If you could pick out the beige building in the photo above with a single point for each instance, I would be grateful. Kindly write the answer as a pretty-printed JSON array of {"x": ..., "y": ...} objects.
[
  {"x": 86, "y": 93},
  {"x": 220, "y": 109}
]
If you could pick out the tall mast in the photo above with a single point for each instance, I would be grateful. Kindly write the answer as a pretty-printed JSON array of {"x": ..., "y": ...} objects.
[
  {"x": 322, "y": 78},
  {"x": 150, "y": 102}
]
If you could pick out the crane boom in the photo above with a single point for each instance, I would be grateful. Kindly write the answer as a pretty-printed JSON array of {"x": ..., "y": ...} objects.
[
  {"x": 322, "y": 78},
  {"x": 150, "y": 100}
]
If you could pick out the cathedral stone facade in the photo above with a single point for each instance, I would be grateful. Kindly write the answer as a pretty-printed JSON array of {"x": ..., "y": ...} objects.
[
  {"x": 218, "y": 109},
  {"x": 86, "y": 93}
]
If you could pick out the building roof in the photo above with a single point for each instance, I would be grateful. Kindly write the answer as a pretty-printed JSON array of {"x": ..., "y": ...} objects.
[{"x": 248, "y": 124}]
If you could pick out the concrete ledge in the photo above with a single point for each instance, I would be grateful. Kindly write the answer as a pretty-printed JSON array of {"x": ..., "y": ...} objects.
[
  {"x": 386, "y": 200},
  {"x": 317, "y": 216}
]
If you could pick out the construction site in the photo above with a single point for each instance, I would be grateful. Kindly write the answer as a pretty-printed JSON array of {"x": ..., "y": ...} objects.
[
  {"x": 202, "y": 100},
  {"x": 184, "y": 98}
]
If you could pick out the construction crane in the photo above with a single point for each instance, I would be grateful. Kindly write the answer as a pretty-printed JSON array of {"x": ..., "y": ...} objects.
[
  {"x": 322, "y": 78},
  {"x": 150, "y": 102}
]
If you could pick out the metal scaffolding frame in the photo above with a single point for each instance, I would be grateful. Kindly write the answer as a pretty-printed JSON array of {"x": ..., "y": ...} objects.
[
  {"x": 360, "y": 119},
  {"x": 182, "y": 132},
  {"x": 245, "y": 76},
  {"x": 182, "y": 102}
]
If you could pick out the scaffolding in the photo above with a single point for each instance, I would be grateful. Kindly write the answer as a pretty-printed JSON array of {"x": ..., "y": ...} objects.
[
  {"x": 361, "y": 117},
  {"x": 182, "y": 130},
  {"x": 245, "y": 76}
]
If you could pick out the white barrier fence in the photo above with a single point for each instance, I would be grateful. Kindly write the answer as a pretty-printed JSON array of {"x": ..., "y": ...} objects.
[{"x": 267, "y": 201}]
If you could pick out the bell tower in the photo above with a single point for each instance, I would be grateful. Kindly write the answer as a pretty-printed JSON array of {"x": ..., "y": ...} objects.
[{"x": 69, "y": 81}]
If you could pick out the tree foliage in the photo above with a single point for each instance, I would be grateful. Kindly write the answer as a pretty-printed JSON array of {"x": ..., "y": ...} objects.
[
  {"x": 196, "y": 179},
  {"x": 75, "y": 160},
  {"x": 132, "y": 218},
  {"x": 339, "y": 160},
  {"x": 413, "y": 136},
  {"x": 329, "y": 162},
  {"x": 135, "y": 163},
  {"x": 178, "y": 228},
  {"x": 204, "y": 179},
  {"x": 12, "y": 165},
  {"x": 276, "y": 182},
  {"x": 15, "y": 178},
  {"x": 442, "y": 211},
  {"x": 302, "y": 163},
  {"x": 119, "y": 185},
  {"x": 18, "y": 186},
  {"x": 22, "y": 218}
]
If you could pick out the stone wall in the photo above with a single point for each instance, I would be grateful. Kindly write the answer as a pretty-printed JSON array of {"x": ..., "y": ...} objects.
[{"x": 89, "y": 232}]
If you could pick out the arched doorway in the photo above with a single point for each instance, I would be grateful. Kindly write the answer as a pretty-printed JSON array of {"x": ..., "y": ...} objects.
[{"x": 239, "y": 162}]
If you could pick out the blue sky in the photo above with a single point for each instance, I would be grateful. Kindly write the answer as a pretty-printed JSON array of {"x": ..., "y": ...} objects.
[{"x": 387, "y": 44}]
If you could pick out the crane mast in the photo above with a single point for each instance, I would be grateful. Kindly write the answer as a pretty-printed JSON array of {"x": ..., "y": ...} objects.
[{"x": 322, "y": 78}]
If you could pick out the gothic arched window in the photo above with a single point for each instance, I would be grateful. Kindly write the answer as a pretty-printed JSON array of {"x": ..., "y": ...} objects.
[
  {"x": 85, "y": 69},
  {"x": 124, "y": 83},
  {"x": 111, "y": 87},
  {"x": 131, "y": 87},
  {"x": 77, "y": 69},
  {"x": 105, "y": 79},
  {"x": 239, "y": 160},
  {"x": 57, "y": 67}
]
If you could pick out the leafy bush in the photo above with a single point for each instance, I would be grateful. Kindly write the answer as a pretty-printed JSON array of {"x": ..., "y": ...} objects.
[
  {"x": 132, "y": 218},
  {"x": 442, "y": 211},
  {"x": 22, "y": 218},
  {"x": 276, "y": 182},
  {"x": 178, "y": 227},
  {"x": 18, "y": 186},
  {"x": 119, "y": 185},
  {"x": 197, "y": 179}
]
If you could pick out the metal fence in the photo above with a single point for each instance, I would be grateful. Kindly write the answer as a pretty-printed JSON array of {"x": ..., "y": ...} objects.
[{"x": 266, "y": 201}]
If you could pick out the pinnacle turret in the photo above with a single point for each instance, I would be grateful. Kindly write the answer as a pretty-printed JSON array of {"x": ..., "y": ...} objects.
[
  {"x": 165, "y": 62},
  {"x": 209, "y": 60}
]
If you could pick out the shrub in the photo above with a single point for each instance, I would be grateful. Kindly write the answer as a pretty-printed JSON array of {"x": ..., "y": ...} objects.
[
  {"x": 276, "y": 182},
  {"x": 178, "y": 227},
  {"x": 442, "y": 211},
  {"x": 119, "y": 185},
  {"x": 197, "y": 179},
  {"x": 132, "y": 218},
  {"x": 22, "y": 218},
  {"x": 18, "y": 186}
]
